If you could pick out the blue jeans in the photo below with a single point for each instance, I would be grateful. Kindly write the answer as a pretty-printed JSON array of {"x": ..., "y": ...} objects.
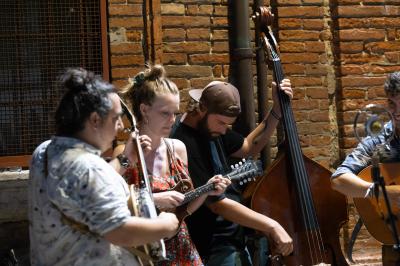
[{"x": 227, "y": 255}]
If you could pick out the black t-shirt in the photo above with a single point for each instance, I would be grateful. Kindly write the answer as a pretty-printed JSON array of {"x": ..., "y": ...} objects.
[{"x": 205, "y": 226}]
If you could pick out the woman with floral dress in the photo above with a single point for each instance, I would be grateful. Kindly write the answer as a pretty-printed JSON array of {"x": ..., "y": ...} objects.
[{"x": 154, "y": 100}]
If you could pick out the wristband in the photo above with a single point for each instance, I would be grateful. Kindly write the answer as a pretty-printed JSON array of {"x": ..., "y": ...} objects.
[
  {"x": 275, "y": 115},
  {"x": 123, "y": 161}
]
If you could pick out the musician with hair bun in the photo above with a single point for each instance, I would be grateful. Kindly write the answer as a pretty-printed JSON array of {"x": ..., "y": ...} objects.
[
  {"x": 155, "y": 102},
  {"x": 78, "y": 209},
  {"x": 346, "y": 180}
]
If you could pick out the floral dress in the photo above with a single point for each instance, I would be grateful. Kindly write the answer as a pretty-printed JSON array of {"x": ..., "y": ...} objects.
[{"x": 181, "y": 251}]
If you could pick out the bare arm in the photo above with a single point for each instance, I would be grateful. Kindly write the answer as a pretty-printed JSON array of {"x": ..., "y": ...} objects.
[
  {"x": 240, "y": 214},
  {"x": 353, "y": 186},
  {"x": 350, "y": 185},
  {"x": 139, "y": 231},
  {"x": 259, "y": 137}
]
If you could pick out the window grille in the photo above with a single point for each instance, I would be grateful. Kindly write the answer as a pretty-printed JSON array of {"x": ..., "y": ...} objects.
[{"x": 39, "y": 39}]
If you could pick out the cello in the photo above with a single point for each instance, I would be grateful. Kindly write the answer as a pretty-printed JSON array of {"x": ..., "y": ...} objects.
[{"x": 296, "y": 191}]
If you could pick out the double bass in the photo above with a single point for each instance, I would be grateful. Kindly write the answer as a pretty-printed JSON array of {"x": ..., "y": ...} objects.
[{"x": 295, "y": 191}]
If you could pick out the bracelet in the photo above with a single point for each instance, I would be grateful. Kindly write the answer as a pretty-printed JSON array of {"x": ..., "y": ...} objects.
[
  {"x": 370, "y": 191},
  {"x": 275, "y": 115}
]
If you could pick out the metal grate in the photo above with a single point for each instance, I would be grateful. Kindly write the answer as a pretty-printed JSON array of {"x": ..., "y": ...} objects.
[{"x": 39, "y": 39}]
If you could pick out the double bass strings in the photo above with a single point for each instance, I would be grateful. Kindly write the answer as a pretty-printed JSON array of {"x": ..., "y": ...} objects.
[{"x": 310, "y": 220}]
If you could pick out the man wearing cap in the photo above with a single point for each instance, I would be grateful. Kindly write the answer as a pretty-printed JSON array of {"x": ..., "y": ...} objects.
[{"x": 216, "y": 228}]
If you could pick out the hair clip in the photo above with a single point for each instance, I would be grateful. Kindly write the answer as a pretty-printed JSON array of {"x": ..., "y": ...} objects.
[{"x": 138, "y": 80}]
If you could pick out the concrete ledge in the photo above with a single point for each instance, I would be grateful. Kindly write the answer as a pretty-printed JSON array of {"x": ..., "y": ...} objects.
[
  {"x": 14, "y": 227},
  {"x": 13, "y": 196}
]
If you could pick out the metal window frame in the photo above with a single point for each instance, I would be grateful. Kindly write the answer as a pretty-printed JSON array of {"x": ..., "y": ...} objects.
[{"x": 23, "y": 160}]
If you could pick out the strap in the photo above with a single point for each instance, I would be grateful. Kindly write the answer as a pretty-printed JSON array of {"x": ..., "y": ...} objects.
[
  {"x": 353, "y": 238},
  {"x": 173, "y": 161},
  {"x": 222, "y": 155}
]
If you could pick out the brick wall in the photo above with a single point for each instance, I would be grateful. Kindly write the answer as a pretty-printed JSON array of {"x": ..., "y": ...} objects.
[{"x": 336, "y": 53}]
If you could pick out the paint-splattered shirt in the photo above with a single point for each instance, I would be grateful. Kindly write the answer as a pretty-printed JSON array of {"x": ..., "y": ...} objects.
[
  {"x": 361, "y": 156},
  {"x": 86, "y": 189}
]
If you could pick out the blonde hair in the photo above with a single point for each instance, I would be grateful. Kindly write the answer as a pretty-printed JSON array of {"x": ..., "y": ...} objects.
[{"x": 145, "y": 86}]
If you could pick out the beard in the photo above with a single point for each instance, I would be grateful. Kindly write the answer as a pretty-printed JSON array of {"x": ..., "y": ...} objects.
[
  {"x": 205, "y": 130},
  {"x": 203, "y": 127}
]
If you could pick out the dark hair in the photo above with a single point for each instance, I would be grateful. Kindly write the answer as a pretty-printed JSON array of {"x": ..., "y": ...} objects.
[
  {"x": 145, "y": 86},
  {"x": 392, "y": 84},
  {"x": 85, "y": 93}
]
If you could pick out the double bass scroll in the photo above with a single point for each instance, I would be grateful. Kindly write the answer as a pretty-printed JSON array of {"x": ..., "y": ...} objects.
[{"x": 296, "y": 191}]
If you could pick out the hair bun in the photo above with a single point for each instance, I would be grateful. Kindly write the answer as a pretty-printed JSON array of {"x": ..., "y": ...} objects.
[
  {"x": 78, "y": 79},
  {"x": 155, "y": 72}
]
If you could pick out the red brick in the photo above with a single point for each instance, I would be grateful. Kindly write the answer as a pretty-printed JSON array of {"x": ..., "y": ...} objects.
[
  {"x": 221, "y": 11},
  {"x": 201, "y": 82},
  {"x": 351, "y": 47},
  {"x": 125, "y": 10},
  {"x": 174, "y": 58},
  {"x": 354, "y": 69},
  {"x": 315, "y": 46},
  {"x": 133, "y": 36},
  {"x": 127, "y": 60},
  {"x": 188, "y": 47},
  {"x": 220, "y": 47},
  {"x": 201, "y": 59},
  {"x": 126, "y": 22},
  {"x": 220, "y": 35},
  {"x": 186, "y": 21},
  {"x": 362, "y": 81},
  {"x": 290, "y": 23},
  {"x": 353, "y": 93},
  {"x": 368, "y": 11},
  {"x": 286, "y": 46},
  {"x": 126, "y": 48},
  {"x": 381, "y": 47},
  {"x": 299, "y": 93},
  {"x": 362, "y": 34},
  {"x": 174, "y": 35},
  {"x": 313, "y": 24},
  {"x": 300, "y": 58},
  {"x": 362, "y": 58},
  {"x": 220, "y": 22},
  {"x": 172, "y": 9},
  {"x": 316, "y": 69},
  {"x": 299, "y": 35},
  {"x": 393, "y": 57},
  {"x": 306, "y": 81},
  {"x": 302, "y": 104},
  {"x": 291, "y": 69},
  {"x": 124, "y": 73},
  {"x": 317, "y": 93},
  {"x": 383, "y": 23},
  {"x": 301, "y": 11},
  {"x": 198, "y": 34},
  {"x": 289, "y": 2},
  {"x": 185, "y": 71},
  {"x": 320, "y": 140}
]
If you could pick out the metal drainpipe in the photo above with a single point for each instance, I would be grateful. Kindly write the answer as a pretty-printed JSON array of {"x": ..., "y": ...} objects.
[
  {"x": 262, "y": 85},
  {"x": 240, "y": 73}
]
